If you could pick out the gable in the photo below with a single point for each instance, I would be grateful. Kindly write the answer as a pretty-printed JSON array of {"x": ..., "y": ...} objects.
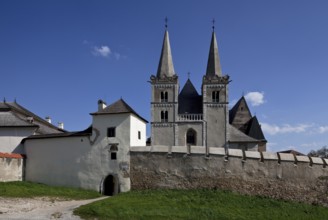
[{"x": 240, "y": 114}]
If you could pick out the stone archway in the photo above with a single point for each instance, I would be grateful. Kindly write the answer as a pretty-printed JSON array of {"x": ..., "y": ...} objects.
[{"x": 110, "y": 186}]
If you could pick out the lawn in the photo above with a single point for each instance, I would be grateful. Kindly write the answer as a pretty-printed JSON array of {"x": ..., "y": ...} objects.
[
  {"x": 196, "y": 204},
  {"x": 29, "y": 190}
]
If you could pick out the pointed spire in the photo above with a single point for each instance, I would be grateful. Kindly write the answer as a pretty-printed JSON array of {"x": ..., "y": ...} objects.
[
  {"x": 165, "y": 66},
  {"x": 213, "y": 63}
]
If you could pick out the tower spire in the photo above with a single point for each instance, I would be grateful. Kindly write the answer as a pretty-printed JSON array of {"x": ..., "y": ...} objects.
[
  {"x": 213, "y": 63},
  {"x": 165, "y": 66}
]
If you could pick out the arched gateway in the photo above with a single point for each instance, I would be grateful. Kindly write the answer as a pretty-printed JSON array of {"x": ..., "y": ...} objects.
[{"x": 110, "y": 186}]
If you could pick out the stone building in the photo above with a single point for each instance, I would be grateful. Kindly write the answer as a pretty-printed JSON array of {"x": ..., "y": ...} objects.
[{"x": 180, "y": 118}]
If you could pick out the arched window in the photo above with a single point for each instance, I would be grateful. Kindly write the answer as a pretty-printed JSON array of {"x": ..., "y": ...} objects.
[
  {"x": 164, "y": 116},
  {"x": 191, "y": 137},
  {"x": 215, "y": 96},
  {"x": 164, "y": 96}
]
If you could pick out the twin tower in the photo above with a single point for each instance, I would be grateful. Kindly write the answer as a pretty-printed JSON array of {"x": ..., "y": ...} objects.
[{"x": 180, "y": 118}]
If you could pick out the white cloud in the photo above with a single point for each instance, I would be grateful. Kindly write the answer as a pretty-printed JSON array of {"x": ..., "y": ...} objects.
[
  {"x": 323, "y": 129},
  {"x": 103, "y": 51},
  {"x": 255, "y": 98},
  {"x": 286, "y": 128}
]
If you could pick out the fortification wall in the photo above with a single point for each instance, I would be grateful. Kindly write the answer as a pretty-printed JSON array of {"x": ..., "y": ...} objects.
[
  {"x": 11, "y": 167},
  {"x": 282, "y": 176}
]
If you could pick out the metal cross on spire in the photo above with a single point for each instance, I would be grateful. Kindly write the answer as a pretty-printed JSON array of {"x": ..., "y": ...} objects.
[
  {"x": 188, "y": 75},
  {"x": 213, "y": 22},
  {"x": 166, "y": 20}
]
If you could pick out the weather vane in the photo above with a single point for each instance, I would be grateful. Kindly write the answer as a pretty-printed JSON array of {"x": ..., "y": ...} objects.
[
  {"x": 166, "y": 20},
  {"x": 213, "y": 22}
]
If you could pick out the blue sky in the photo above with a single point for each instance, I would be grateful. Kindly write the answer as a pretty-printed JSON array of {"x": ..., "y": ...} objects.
[{"x": 57, "y": 58}]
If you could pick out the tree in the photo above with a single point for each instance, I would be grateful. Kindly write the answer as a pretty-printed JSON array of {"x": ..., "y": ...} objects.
[{"x": 322, "y": 152}]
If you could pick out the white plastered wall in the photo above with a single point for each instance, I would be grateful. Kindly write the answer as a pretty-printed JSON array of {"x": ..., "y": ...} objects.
[
  {"x": 137, "y": 125},
  {"x": 11, "y": 137},
  {"x": 85, "y": 161}
]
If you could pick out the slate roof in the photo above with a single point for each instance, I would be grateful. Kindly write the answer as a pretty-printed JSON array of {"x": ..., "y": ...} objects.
[
  {"x": 254, "y": 129},
  {"x": 165, "y": 66},
  {"x": 14, "y": 115},
  {"x": 238, "y": 117},
  {"x": 296, "y": 153},
  {"x": 234, "y": 135},
  {"x": 189, "y": 100},
  {"x": 10, "y": 119},
  {"x": 118, "y": 107},
  {"x": 86, "y": 132}
]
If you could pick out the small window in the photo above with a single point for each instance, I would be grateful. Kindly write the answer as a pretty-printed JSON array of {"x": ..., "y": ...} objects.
[
  {"x": 164, "y": 116},
  {"x": 191, "y": 137},
  {"x": 215, "y": 96},
  {"x": 113, "y": 156},
  {"x": 139, "y": 135},
  {"x": 164, "y": 96},
  {"x": 111, "y": 132}
]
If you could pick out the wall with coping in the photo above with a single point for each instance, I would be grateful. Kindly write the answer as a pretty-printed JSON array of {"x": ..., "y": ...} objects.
[
  {"x": 11, "y": 137},
  {"x": 280, "y": 175}
]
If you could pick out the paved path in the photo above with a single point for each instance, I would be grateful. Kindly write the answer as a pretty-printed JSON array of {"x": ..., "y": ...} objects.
[{"x": 40, "y": 208}]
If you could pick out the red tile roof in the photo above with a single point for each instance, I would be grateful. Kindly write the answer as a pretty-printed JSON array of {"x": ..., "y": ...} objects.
[{"x": 12, "y": 155}]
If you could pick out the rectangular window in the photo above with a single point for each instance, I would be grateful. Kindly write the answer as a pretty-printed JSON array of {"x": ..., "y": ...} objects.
[
  {"x": 113, "y": 156},
  {"x": 139, "y": 135},
  {"x": 111, "y": 132}
]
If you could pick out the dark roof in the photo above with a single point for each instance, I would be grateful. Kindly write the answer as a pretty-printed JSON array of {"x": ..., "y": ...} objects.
[
  {"x": 13, "y": 114},
  {"x": 237, "y": 136},
  {"x": 85, "y": 132},
  {"x": 296, "y": 153},
  {"x": 189, "y": 100},
  {"x": 10, "y": 119},
  {"x": 118, "y": 107},
  {"x": 254, "y": 129}
]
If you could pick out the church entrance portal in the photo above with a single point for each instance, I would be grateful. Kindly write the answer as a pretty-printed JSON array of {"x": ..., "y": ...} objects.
[
  {"x": 109, "y": 186},
  {"x": 191, "y": 137}
]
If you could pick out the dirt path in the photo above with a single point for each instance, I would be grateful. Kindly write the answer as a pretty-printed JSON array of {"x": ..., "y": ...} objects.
[{"x": 40, "y": 208}]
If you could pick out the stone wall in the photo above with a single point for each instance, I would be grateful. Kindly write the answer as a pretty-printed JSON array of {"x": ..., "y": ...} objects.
[
  {"x": 11, "y": 167},
  {"x": 282, "y": 176}
]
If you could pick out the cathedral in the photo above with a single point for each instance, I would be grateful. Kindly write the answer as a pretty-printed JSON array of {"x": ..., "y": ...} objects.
[{"x": 185, "y": 117}]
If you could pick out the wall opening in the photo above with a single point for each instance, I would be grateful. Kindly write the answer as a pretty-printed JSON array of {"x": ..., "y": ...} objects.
[
  {"x": 191, "y": 137},
  {"x": 110, "y": 186}
]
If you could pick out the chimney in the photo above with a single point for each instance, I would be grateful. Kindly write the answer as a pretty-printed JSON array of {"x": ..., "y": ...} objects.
[
  {"x": 61, "y": 125},
  {"x": 48, "y": 119},
  {"x": 101, "y": 105}
]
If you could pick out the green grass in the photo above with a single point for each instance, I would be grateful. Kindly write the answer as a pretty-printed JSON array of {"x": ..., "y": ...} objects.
[
  {"x": 29, "y": 190},
  {"x": 196, "y": 204}
]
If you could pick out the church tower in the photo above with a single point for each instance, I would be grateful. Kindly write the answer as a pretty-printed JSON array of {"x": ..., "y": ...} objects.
[
  {"x": 164, "y": 99},
  {"x": 215, "y": 99}
]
